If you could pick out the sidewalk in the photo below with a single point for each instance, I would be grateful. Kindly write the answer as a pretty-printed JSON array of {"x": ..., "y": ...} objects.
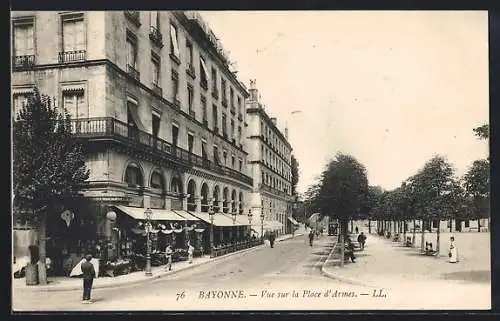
[
  {"x": 384, "y": 262},
  {"x": 70, "y": 284}
]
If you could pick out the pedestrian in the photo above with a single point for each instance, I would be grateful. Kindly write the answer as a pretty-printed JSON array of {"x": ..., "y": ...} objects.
[
  {"x": 88, "y": 278},
  {"x": 168, "y": 255},
  {"x": 190, "y": 252},
  {"x": 349, "y": 250},
  {"x": 311, "y": 237},
  {"x": 357, "y": 230},
  {"x": 361, "y": 240},
  {"x": 453, "y": 252},
  {"x": 272, "y": 237}
]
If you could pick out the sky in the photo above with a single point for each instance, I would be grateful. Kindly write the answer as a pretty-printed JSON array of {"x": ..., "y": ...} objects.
[{"x": 391, "y": 88}]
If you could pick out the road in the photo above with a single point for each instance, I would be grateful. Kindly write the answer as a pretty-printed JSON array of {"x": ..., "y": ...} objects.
[{"x": 290, "y": 265}]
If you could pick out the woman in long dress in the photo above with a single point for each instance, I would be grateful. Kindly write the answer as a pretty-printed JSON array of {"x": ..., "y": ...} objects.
[{"x": 453, "y": 252}]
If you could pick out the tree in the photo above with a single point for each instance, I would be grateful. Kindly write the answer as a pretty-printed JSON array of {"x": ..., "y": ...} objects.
[
  {"x": 476, "y": 183},
  {"x": 48, "y": 166},
  {"x": 295, "y": 175},
  {"x": 369, "y": 207},
  {"x": 482, "y": 132},
  {"x": 341, "y": 191}
]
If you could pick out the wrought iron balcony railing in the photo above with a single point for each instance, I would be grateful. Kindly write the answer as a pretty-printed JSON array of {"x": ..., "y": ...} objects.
[
  {"x": 23, "y": 62},
  {"x": 108, "y": 127},
  {"x": 72, "y": 56},
  {"x": 156, "y": 36},
  {"x": 134, "y": 17}
]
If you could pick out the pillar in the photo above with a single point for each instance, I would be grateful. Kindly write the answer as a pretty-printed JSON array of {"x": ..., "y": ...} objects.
[{"x": 197, "y": 201}]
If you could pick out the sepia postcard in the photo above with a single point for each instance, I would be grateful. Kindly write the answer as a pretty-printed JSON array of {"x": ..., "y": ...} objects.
[{"x": 250, "y": 160}]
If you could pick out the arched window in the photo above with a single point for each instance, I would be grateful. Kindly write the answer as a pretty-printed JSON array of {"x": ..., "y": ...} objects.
[
  {"x": 204, "y": 198},
  {"x": 240, "y": 209},
  {"x": 233, "y": 201},
  {"x": 176, "y": 186},
  {"x": 133, "y": 176},
  {"x": 216, "y": 199},
  {"x": 157, "y": 181},
  {"x": 191, "y": 201},
  {"x": 225, "y": 199}
]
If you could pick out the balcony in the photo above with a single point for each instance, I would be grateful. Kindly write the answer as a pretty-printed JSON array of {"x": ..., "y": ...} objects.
[
  {"x": 190, "y": 71},
  {"x": 224, "y": 101},
  {"x": 72, "y": 56},
  {"x": 174, "y": 58},
  {"x": 102, "y": 128},
  {"x": 215, "y": 93},
  {"x": 23, "y": 62},
  {"x": 157, "y": 89},
  {"x": 132, "y": 72},
  {"x": 156, "y": 36},
  {"x": 134, "y": 17}
]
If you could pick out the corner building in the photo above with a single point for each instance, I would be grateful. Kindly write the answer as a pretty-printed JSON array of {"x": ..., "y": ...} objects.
[
  {"x": 160, "y": 113},
  {"x": 270, "y": 166}
]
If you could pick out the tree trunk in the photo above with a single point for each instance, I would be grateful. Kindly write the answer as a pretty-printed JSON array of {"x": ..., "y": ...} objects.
[
  {"x": 451, "y": 225},
  {"x": 394, "y": 228},
  {"x": 352, "y": 226},
  {"x": 404, "y": 231},
  {"x": 422, "y": 236},
  {"x": 437, "y": 235},
  {"x": 42, "y": 271},
  {"x": 369, "y": 227},
  {"x": 479, "y": 225},
  {"x": 342, "y": 249},
  {"x": 413, "y": 239}
]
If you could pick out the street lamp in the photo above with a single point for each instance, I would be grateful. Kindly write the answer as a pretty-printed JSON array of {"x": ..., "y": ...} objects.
[
  {"x": 148, "y": 213},
  {"x": 211, "y": 214},
  {"x": 233, "y": 214},
  {"x": 262, "y": 222}
]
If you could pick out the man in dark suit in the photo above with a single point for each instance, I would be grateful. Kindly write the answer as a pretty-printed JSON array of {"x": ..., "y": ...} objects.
[{"x": 88, "y": 278}]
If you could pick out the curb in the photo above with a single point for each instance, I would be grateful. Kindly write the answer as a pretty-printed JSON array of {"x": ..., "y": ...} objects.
[
  {"x": 335, "y": 276},
  {"x": 145, "y": 279}
]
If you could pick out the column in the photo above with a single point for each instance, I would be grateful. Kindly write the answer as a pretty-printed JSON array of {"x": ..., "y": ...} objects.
[{"x": 197, "y": 201}]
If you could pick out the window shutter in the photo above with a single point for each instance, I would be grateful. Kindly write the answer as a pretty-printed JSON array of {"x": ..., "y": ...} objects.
[
  {"x": 80, "y": 101},
  {"x": 79, "y": 35},
  {"x": 68, "y": 36},
  {"x": 154, "y": 19},
  {"x": 204, "y": 68},
  {"x": 173, "y": 39}
]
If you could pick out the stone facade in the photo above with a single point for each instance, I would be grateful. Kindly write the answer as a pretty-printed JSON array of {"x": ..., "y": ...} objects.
[{"x": 270, "y": 164}]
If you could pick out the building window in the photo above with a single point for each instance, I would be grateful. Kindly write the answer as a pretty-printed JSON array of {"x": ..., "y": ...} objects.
[
  {"x": 215, "y": 91},
  {"x": 239, "y": 134},
  {"x": 190, "y": 142},
  {"x": 233, "y": 161},
  {"x": 155, "y": 64},
  {"x": 231, "y": 97},
  {"x": 231, "y": 133},
  {"x": 74, "y": 103},
  {"x": 224, "y": 125},
  {"x": 132, "y": 56},
  {"x": 204, "y": 110},
  {"x": 215, "y": 120},
  {"x": 224, "y": 156},
  {"x": 154, "y": 29},
  {"x": 174, "y": 45},
  {"x": 155, "y": 124},
  {"x": 73, "y": 38},
  {"x": 216, "y": 155},
  {"x": 24, "y": 43},
  {"x": 223, "y": 91},
  {"x": 20, "y": 100},
  {"x": 175, "y": 135},
  {"x": 133, "y": 176},
  {"x": 189, "y": 51},
  {"x": 241, "y": 164},
  {"x": 175, "y": 87},
  {"x": 204, "y": 154},
  {"x": 157, "y": 180},
  {"x": 203, "y": 74},
  {"x": 190, "y": 101}
]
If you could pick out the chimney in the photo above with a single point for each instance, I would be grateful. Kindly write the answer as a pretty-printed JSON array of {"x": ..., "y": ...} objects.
[
  {"x": 273, "y": 120},
  {"x": 254, "y": 92}
]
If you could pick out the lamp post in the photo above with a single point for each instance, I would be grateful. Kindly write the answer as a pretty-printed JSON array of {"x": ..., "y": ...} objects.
[
  {"x": 211, "y": 214},
  {"x": 262, "y": 223},
  {"x": 233, "y": 214},
  {"x": 148, "y": 213}
]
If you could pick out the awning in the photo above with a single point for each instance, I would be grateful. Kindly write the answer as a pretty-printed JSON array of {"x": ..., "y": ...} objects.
[
  {"x": 241, "y": 220},
  {"x": 158, "y": 215},
  {"x": 219, "y": 219},
  {"x": 268, "y": 225},
  {"x": 291, "y": 219},
  {"x": 188, "y": 216}
]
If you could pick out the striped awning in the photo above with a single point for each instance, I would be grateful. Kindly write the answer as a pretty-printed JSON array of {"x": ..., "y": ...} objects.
[
  {"x": 241, "y": 220},
  {"x": 219, "y": 219},
  {"x": 158, "y": 215},
  {"x": 188, "y": 216}
]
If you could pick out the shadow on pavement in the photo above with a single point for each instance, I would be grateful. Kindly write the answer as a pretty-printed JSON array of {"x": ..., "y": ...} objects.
[{"x": 468, "y": 276}]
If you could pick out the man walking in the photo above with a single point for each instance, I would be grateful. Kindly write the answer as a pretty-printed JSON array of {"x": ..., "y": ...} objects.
[
  {"x": 272, "y": 237},
  {"x": 361, "y": 240},
  {"x": 168, "y": 254},
  {"x": 311, "y": 237},
  {"x": 88, "y": 278}
]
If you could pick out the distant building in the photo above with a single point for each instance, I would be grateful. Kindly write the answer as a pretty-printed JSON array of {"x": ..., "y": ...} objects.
[{"x": 270, "y": 166}]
